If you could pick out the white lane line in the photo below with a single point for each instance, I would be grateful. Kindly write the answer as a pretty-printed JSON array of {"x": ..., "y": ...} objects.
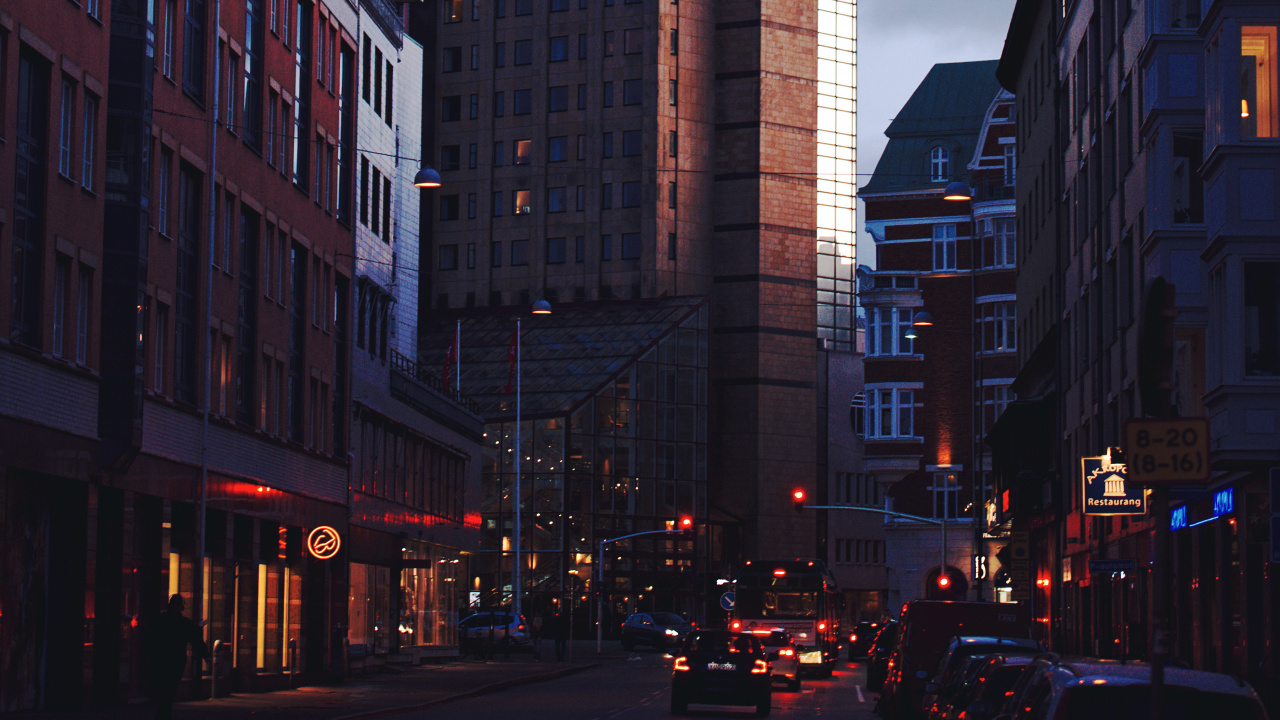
[{"x": 859, "y": 689}]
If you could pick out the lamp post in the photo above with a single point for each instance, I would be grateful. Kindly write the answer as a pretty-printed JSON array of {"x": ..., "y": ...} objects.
[{"x": 542, "y": 307}]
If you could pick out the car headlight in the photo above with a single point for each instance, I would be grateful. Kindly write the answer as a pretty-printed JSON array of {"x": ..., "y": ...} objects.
[{"x": 673, "y": 633}]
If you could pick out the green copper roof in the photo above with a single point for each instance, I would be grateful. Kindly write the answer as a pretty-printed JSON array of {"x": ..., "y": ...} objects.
[{"x": 947, "y": 108}]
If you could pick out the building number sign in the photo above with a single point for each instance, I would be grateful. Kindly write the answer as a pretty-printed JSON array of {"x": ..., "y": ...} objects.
[
  {"x": 323, "y": 542},
  {"x": 1167, "y": 451}
]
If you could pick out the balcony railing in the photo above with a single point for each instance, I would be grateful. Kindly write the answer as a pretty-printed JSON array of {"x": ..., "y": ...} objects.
[
  {"x": 429, "y": 377},
  {"x": 387, "y": 16}
]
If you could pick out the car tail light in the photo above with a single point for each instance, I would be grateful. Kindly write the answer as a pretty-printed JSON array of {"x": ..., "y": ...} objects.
[
  {"x": 520, "y": 627},
  {"x": 853, "y": 638},
  {"x": 760, "y": 667},
  {"x": 822, "y": 626},
  {"x": 682, "y": 664},
  {"x": 786, "y": 652},
  {"x": 737, "y": 625}
]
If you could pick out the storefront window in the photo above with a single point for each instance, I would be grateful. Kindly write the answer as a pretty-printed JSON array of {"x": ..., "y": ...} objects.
[
  {"x": 369, "y": 608},
  {"x": 429, "y": 596}
]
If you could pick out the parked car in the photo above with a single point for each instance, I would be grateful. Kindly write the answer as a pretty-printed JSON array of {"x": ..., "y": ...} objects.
[
  {"x": 784, "y": 661},
  {"x": 659, "y": 629},
  {"x": 946, "y": 679},
  {"x": 1111, "y": 690},
  {"x": 878, "y": 655},
  {"x": 927, "y": 629},
  {"x": 987, "y": 690},
  {"x": 507, "y": 628},
  {"x": 860, "y": 639},
  {"x": 723, "y": 668}
]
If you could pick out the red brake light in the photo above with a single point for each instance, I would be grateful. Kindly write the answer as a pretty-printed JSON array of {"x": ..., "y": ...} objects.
[
  {"x": 682, "y": 664},
  {"x": 779, "y": 572},
  {"x": 853, "y": 637},
  {"x": 759, "y": 667},
  {"x": 737, "y": 624},
  {"x": 822, "y": 626},
  {"x": 786, "y": 652}
]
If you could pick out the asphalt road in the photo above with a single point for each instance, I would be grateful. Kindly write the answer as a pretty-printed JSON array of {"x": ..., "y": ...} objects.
[{"x": 640, "y": 689}]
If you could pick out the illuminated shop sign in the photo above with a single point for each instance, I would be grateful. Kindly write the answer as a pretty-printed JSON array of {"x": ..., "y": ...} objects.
[
  {"x": 1107, "y": 490},
  {"x": 1224, "y": 502},
  {"x": 323, "y": 542},
  {"x": 1178, "y": 518}
]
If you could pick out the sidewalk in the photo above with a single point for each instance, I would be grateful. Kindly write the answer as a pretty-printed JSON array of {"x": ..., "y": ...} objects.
[{"x": 378, "y": 693}]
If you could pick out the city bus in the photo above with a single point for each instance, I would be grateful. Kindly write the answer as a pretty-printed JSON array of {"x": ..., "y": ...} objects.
[{"x": 797, "y": 595}]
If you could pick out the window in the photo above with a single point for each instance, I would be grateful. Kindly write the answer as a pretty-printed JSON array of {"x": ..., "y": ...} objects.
[
  {"x": 631, "y": 194},
  {"x": 630, "y": 246},
  {"x": 580, "y": 248},
  {"x": 473, "y": 109},
  {"x": 555, "y": 250},
  {"x": 632, "y": 41},
  {"x": 452, "y": 11},
  {"x": 497, "y": 203},
  {"x": 364, "y": 191},
  {"x": 522, "y": 102},
  {"x": 228, "y": 220},
  {"x": 558, "y": 98},
  {"x": 939, "y": 166},
  {"x": 890, "y": 413},
  {"x": 475, "y": 57},
  {"x": 581, "y": 202},
  {"x": 500, "y": 54},
  {"x": 606, "y": 94},
  {"x": 377, "y": 80},
  {"x": 452, "y": 60},
  {"x": 499, "y": 104},
  {"x": 673, "y": 92},
  {"x": 944, "y": 247},
  {"x": 193, "y": 49},
  {"x": 88, "y": 143},
  {"x": 471, "y": 206},
  {"x": 999, "y": 242},
  {"x": 448, "y": 257},
  {"x": 998, "y": 322},
  {"x": 606, "y": 247},
  {"x": 499, "y": 153},
  {"x": 946, "y": 495},
  {"x": 61, "y": 269},
  {"x": 253, "y": 74},
  {"x": 606, "y": 145},
  {"x": 858, "y": 414},
  {"x": 582, "y": 147},
  {"x": 582, "y": 97},
  {"x": 495, "y": 256},
  {"x": 887, "y": 331},
  {"x": 1262, "y": 319},
  {"x": 519, "y": 252},
  {"x": 162, "y": 192},
  {"x": 559, "y": 49},
  {"x": 473, "y": 156},
  {"x": 631, "y": 92},
  {"x": 675, "y": 41},
  {"x": 170, "y": 12},
  {"x": 582, "y": 47},
  {"x": 671, "y": 246},
  {"x": 451, "y": 108},
  {"x": 559, "y": 5},
  {"x": 66, "y": 126},
  {"x": 523, "y": 204},
  {"x": 558, "y": 149},
  {"x": 272, "y": 101},
  {"x": 1259, "y": 93},
  {"x": 157, "y": 356},
  {"x": 672, "y": 142},
  {"x": 631, "y": 142},
  {"x": 524, "y": 7},
  {"x": 556, "y": 200},
  {"x": 233, "y": 98},
  {"x": 524, "y": 52},
  {"x": 448, "y": 207},
  {"x": 608, "y": 43},
  {"x": 1186, "y": 183},
  {"x": 1010, "y": 165},
  {"x": 606, "y": 196},
  {"x": 523, "y": 152}
]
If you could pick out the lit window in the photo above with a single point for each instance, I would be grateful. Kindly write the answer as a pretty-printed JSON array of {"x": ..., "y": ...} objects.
[{"x": 1259, "y": 95}]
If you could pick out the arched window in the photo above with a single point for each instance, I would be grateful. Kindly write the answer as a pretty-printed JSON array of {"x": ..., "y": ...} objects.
[{"x": 939, "y": 164}]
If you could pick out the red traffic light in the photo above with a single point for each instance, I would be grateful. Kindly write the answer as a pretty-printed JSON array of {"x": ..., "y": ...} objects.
[
  {"x": 944, "y": 581},
  {"x": 798, "y": 497},
  {"x": 685, "y": 526}
]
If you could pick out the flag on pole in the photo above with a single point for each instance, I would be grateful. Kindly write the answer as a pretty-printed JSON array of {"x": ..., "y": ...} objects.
[
  {"x": 450, "y": 357},
  {"x": 513, "y": 357}
]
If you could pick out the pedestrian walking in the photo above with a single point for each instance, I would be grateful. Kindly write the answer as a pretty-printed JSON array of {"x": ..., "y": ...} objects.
[
  {"x": 535, "y": 634},
  {"x": 560, "y": 632},
  {"x": 165, "y": 644}
]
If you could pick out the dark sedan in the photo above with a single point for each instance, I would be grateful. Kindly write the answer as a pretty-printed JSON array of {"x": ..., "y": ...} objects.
[
  {"x": 878, "y": 656},
  {"x": 860, "y": 639},
  {"x": 720, "y": 667},
  {"x": 659, "y": 629}
]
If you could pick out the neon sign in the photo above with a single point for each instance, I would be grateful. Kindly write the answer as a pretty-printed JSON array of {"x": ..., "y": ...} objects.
[
  {"x": 1178, "y": 518},
  {"x": 323, "y": 542},
  {"x": 1224, "y": 502}
]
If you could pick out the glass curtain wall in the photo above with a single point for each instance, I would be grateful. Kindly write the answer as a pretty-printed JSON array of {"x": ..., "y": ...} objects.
[
  {"x": 837, "y": 170},
  {"x": 631, "y": 458},
  {"x": 430, "y": 592}
]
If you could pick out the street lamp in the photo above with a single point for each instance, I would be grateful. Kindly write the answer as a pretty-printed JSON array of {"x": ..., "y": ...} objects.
[
  {"x": 542, "y": 307},
  {"x": 427, "y": 177}
]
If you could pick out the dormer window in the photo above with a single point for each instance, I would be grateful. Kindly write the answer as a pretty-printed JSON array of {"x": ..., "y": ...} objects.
[{"x": 939, "y": 164}]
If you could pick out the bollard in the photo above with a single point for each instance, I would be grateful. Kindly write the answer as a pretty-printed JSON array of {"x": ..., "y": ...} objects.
[{"x": 293, "y": 660}]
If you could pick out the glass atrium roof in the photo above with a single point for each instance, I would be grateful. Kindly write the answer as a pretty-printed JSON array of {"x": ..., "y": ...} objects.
[{"x": 565, "y": 358}]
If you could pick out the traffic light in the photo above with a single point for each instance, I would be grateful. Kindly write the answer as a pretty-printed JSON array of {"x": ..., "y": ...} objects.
[
  {"x": 798, "y": 498},
  {"x": 944, "y": 582},
  {"x": 686, "y": 526}
]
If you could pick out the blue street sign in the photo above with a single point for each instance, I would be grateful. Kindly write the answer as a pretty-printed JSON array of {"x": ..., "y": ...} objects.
[{"x": 726, "y": 601}]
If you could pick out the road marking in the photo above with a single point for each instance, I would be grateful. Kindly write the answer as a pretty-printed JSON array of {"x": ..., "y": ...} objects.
[{"x": 859, "y": 689}]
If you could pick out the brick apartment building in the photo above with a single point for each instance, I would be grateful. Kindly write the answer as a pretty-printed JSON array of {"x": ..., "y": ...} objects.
[
  {"x": 176, "y": 241},
  {"x": 932, "y": 391}
]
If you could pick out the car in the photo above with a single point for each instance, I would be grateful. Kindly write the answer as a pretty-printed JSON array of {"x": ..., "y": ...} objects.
[
  {"x": 986, "y": 693},
  {"x": 878, "y": 655},
  {"x": 928, "y": 627},
  {"x": 1113, "y": 690},
  {"x": 659, "y": 629},
  {"x": 721, "y": 667},
  {"x": 860, "y": 639},
  {"x": 951, "y": 668},
  {"x": 507, "y": 628},
  {"x": 784, "y": 660}
]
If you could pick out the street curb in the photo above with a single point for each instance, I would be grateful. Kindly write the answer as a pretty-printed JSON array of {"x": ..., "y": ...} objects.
[{"x": 483, "y": 690}]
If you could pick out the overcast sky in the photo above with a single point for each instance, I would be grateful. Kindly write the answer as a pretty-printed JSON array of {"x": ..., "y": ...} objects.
[{"x": 898, "y": 41}]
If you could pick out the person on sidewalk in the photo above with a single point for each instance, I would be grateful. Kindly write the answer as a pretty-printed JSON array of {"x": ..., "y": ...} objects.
[
  {"x": 166, "y": 648},
  {"x": 560, "y": 631}
]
